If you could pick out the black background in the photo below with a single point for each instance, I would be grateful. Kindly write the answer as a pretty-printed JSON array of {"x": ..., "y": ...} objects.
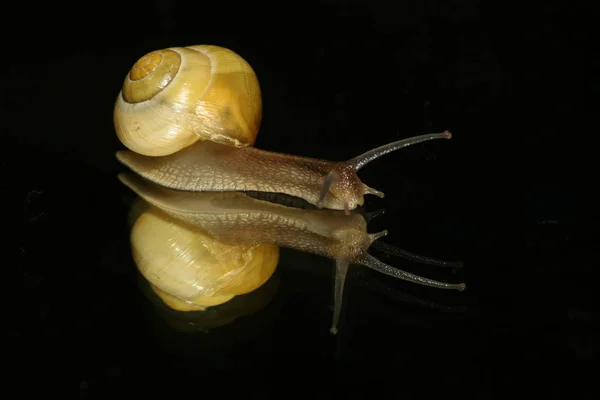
[{"x": 512, "y": 194}]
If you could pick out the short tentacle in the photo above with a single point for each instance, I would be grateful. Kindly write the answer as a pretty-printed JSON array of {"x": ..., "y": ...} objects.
[
  {"x": 378, "y": 235},
  {"x": 370, "y": 190},
  {"x": 341, "y": 269},
  {"x": 371, "y": 215}
]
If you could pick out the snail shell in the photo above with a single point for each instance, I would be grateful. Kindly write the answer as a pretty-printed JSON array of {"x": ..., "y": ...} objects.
[{"x": 175, "y": 97}]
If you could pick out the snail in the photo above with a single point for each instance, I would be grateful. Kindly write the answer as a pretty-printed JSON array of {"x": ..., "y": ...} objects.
[
  {"x": 235, "y": 219},
  {"x": 190, "y": 117}
]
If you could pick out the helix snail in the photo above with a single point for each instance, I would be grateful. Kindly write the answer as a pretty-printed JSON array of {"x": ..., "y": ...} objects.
[{"x": 189, "y": 117}]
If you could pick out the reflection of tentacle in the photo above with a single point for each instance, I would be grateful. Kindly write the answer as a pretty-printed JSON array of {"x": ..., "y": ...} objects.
[
  {"x": 317, "y": 267},
  {"x": 393, "y": 293},
  {"x": 395, "y": 251},
  {"x": 341, "y": 269},
  {"x": 369, "y": 216},
  {"x": 369, "y": 261}
]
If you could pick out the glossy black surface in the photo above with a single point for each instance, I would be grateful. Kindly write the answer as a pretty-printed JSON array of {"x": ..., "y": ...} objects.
[{"x": 511, "y": 195}]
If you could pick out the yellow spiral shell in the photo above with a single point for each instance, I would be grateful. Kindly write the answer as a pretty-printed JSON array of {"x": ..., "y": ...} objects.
[{"x": 174, "y": 97}]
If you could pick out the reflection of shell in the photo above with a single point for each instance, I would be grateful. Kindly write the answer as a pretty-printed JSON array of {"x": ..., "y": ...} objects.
[
  {"x": 189, "y": 269},
  {"x": 217, "y": 316}
]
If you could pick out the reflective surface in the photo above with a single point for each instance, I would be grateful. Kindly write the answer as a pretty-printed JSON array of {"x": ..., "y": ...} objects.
[{"x": 511, "y": 195}]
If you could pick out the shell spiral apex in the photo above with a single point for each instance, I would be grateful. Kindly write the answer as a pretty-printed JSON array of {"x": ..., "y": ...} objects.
[{"x": 175, "y": 97}]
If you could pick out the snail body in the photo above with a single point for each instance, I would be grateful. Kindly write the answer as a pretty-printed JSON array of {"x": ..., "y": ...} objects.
[
  {"x": 190, "y": 117},
  {"x": 210, "y": 166}
]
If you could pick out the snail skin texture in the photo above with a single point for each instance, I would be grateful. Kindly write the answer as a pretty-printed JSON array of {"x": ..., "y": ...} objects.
[
  {"x": 190, "y": 115},
  {"x": 235, "y": 219}
]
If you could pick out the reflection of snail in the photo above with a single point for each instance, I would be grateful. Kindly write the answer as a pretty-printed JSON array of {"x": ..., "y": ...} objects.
[
  {"x": 199, "y": 109},
  {"x": 232, "y": 219},
  {"x": 189, "y": 117}
]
